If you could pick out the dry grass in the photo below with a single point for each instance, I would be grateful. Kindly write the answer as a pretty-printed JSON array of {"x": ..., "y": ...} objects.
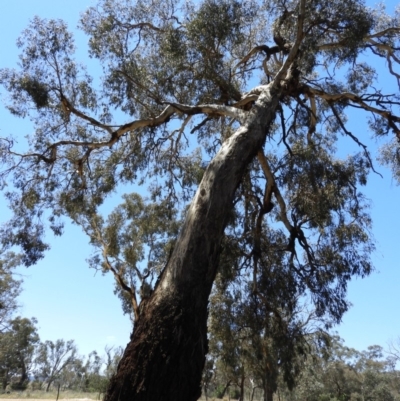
[
  {"x": 38, "y": 395},
  {"x": 51, "y": 395}
]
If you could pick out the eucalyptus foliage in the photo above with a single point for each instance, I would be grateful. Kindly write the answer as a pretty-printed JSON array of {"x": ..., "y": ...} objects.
[
  {"x": 17, "y": 348},
  {"x": 10, "y": 288}
]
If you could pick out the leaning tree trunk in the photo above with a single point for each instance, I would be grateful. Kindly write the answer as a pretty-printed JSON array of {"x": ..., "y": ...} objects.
[
  {"x": 166, "y": 355},
  {"x": 222, "y": 395},
  {"x": 49, "y": 384}
]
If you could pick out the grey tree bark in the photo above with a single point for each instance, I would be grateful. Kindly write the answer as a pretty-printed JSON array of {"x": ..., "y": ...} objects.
[{"x": 166, "y": 355}]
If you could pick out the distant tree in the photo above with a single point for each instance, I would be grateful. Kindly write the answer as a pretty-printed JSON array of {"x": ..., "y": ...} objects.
[
  {"x": 259, "y": 323},
  {"x": 93, "y": 380},
  {"x": 256, "y": 343},
  {"x": 100, "y": 370},
  {"x": 73, "y": 376},
  {"x": 237, "y": 105},
  {"x": 88, "y": 374},
  {"x": 343, "y": 373},
  {"x": 378, "y": 384},
  {"x": 84, "y": 374},
  {"x": 112, "y": 358},
  {"x": 17, "y": 348},
  {"x": 208, "y": 376},
  {"x": 394, "y": 349},
  {"x": 53, "y": 358},
  {"x": 10, "y": 288}
]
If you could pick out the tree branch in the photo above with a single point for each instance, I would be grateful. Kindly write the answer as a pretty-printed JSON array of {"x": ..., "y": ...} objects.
[
  {"x": 257, "y": 49},
  {"x": 270, "y": 178},
  {"x": 248, "y": 98},
  {"x": 384, "y": 33},
  {"x": 141, "y": 25},
  {"x": 355, "y": 139},
  {"x": 295, "y": 48},
  {"x": 67, "y": 106},
  {"x": 210, "y": 109},
  {"x": 391, "y": 119}
]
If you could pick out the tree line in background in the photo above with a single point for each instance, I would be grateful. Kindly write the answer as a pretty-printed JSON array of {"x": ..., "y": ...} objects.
[
  {"x": 25, "y": 361},
  {"x": 328, "y": 372}
]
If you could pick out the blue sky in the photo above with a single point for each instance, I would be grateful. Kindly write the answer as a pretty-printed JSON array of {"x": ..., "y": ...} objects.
[{"x": 72, "y": 302}]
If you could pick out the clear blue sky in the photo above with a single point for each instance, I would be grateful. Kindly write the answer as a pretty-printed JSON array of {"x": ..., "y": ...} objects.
[{"x": 72, "y": 302}]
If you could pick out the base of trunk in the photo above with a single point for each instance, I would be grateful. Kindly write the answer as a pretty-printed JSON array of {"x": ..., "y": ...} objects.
[{"x": 165, "y": 357}]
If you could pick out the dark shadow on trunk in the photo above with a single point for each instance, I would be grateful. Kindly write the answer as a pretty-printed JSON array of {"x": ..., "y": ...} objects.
[{"x": 176, "y": 343}]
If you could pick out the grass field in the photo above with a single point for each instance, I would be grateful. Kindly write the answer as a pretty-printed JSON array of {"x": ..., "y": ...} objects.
[
  {"x": 51, "y": 395},
  {"x": 64, "y": 395}
]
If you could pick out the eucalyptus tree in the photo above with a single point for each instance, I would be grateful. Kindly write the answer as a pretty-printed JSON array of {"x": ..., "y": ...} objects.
[
  {"x": 17, "y": 350},
  {"x": 236, "y": 105},
  {"x": 344, "y": 373},
  {"x": 260, "y": 328},
  {"x": 10, "y": 288},
  {"x": 52, "y": 359}
]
